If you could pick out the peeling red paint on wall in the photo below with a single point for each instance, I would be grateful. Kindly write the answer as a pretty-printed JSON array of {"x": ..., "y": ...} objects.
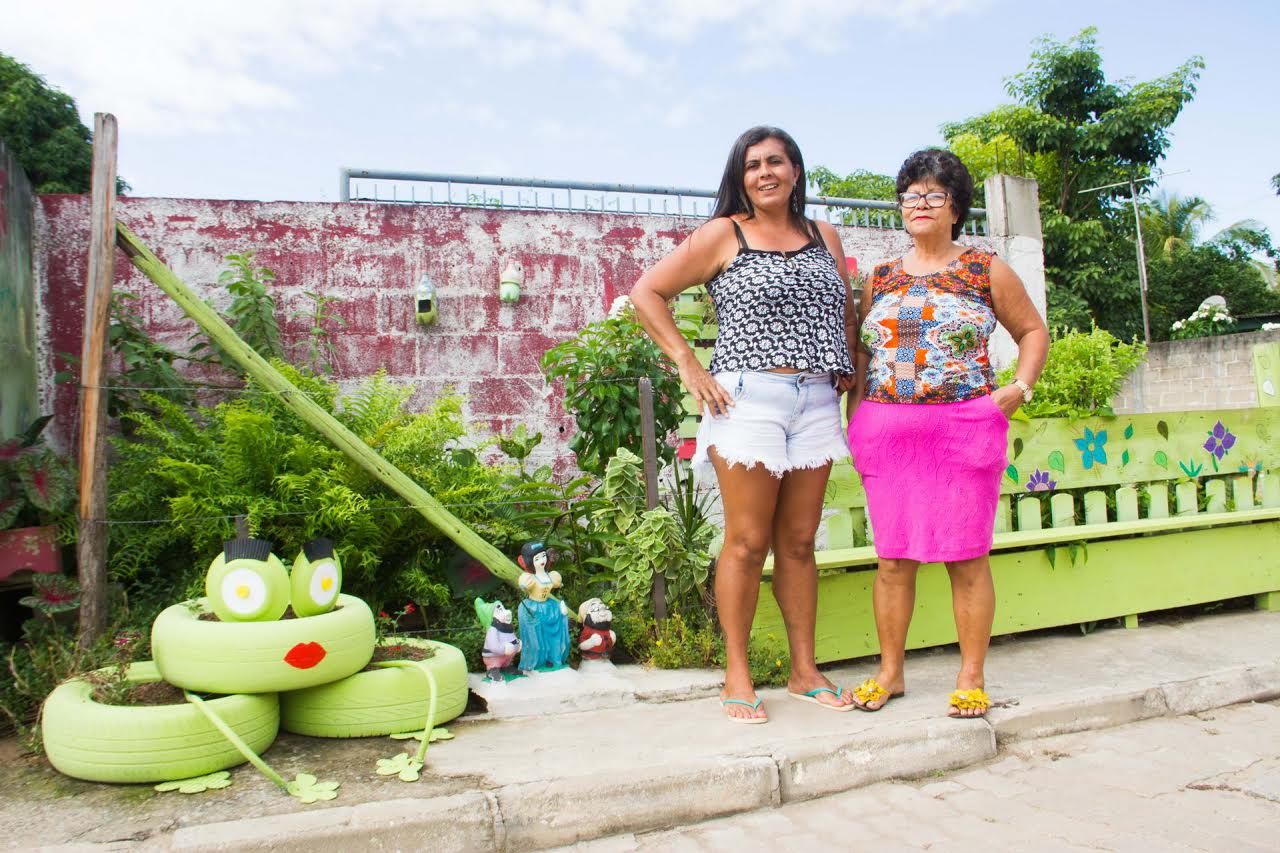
[{"x": 371, "y": 257}]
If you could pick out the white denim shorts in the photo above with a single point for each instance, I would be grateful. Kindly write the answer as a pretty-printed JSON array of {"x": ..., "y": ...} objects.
[{"x": 783, "y": 421}]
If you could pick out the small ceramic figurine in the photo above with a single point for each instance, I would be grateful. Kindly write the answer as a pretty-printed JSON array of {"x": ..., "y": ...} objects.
[
  {"x": 544, "y": 622},
  {"x": 597, "y": 637},
  {"x": 500, "y": 642}
]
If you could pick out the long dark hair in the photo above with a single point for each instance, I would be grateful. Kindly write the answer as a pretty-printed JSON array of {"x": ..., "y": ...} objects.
[{"x": 732, "y": 197}]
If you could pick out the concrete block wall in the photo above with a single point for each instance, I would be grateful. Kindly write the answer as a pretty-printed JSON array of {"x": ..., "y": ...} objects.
[
  {"x": 371, "y": 256},
  {"x": 1201, "y": 373}
]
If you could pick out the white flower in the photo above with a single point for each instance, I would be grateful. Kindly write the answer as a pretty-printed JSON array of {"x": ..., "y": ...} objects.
[
  {"x": 1177, "y": 326},
  {"x": 620, "y": 305},
  {"x": 1271, "y": 327}
]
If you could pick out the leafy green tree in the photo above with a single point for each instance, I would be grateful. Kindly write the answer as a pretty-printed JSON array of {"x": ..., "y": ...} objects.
[
  {"x": 1223, "y": 268},
  {"x": 1091, "y": 132},
  {"x": 42, "y": 128},
  {"x": 860, "y": 183}
]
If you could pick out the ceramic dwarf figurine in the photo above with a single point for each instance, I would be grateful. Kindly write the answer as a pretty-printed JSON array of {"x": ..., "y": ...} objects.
[
  {"x": 501, "y": 645},
  {"x": 597, "y": 638},
  {"x": 544, "y": 622}
]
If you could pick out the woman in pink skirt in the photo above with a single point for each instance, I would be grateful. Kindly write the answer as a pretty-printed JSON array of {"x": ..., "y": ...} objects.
[{"x": 928, "y": 431}]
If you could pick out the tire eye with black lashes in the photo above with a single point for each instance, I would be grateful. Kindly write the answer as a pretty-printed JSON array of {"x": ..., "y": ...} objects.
[
  {"x": 316, "y": 578},
  {"x": 247, "y": 583}
]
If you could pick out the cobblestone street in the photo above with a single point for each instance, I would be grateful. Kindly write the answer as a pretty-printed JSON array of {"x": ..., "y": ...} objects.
[{"x": 1208, "y": 781}]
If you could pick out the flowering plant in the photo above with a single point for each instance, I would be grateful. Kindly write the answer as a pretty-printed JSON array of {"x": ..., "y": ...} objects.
[
  {"x": 1207, "y": 320},
  {"x": 386, "y": 624}
]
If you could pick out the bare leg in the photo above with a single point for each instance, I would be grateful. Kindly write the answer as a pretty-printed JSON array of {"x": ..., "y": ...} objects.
[
  {"x": 973, "y": 601},
  {"x": 894, "y": 599},
  {"x": 795, "y": 575},
  {"x": 750, "y": 496}
]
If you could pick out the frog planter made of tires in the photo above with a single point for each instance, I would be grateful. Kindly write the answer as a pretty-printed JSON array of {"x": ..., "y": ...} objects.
[
  {"x": 261, "y": 657},
  {"x": 391, "y": 699},
  {"x": 149, "y": 743}
]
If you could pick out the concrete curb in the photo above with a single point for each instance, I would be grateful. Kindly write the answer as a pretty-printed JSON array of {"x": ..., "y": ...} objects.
[{"x": 564, "y": 810}]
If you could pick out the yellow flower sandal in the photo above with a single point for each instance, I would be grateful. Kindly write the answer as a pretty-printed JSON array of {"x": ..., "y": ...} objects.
[
  {"x": 975, "y": 699},
  {"x": 871, "y": 691},
  {"x": 746, "y": 721},
  {"x": 812, "y": 696}
]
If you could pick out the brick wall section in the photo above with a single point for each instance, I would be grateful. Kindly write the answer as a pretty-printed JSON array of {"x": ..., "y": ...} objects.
[
  {"x": 371, "y": 256},
  {"x": 1201, "y": 373}
]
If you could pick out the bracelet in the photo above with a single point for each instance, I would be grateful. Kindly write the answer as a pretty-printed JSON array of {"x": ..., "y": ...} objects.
[{"x": 1027, "y": 393}]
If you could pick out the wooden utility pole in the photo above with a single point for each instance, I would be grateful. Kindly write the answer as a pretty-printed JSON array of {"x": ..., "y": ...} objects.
[
  {"x": 91, "y": 548},
  {"x": 311, "y": 412},
  {"x": 649, "y": 443}
]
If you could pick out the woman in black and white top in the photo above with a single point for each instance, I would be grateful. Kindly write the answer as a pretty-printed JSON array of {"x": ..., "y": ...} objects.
[{"x": 771, "y": 423}]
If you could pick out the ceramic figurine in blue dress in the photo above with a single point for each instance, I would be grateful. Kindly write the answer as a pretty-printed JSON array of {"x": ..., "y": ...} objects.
[{"x": 544, "y": 621}]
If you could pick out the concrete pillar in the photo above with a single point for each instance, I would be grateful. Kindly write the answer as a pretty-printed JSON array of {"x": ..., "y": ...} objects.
[{"x": 1013, "y": 224}]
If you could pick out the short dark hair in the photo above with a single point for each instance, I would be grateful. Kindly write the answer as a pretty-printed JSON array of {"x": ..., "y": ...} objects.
[
  {"x": 946, "y": 169},
  {"x": 732, "y": 197}
]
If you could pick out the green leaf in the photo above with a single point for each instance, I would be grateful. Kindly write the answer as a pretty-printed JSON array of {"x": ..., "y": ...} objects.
[
  {"x": 1057, "y": 462},
  {"x": 1128, "y": 431},
  {"x": 1162, "y": 459},
  {"x": 1017, "y": 447},
  {"x": 1163, "y": 429},
  {"x": 1124, "y": 458},
  {"x": 1012, "y": 473},
  {"x": 1052, "y": 553}
]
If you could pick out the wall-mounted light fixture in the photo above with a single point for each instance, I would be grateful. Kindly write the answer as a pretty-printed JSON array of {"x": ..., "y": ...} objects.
[
  {"x": 510, "y": 281},
  {"x": 425, "y": 301}
]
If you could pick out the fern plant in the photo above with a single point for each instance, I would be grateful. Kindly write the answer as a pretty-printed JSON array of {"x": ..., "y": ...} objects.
[{"x": 194, "y": 470}]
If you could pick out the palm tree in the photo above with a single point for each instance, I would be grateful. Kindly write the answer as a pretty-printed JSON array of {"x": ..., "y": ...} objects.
[{"x": 1171, "y": 222}]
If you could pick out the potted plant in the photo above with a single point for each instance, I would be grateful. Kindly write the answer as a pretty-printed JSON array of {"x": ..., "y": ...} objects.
[{"x": 36, "y": 497}]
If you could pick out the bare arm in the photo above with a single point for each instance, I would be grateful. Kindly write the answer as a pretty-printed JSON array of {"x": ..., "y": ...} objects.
[
  {"x": 1016, "y": 312},
  {"x": 702, "y": 255},
  {"x": 832, "y": 239}
]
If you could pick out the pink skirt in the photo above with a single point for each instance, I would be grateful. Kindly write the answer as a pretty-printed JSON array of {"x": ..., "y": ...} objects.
[{"x": 932, "y": 473}]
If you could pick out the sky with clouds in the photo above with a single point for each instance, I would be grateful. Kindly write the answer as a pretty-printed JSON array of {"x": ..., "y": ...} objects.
[{"x": 267, "y": 99}]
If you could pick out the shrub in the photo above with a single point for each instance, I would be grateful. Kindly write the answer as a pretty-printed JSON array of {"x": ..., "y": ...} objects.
[
  {"x": 600, "y": 369},
  {"x": 1206, "y": 321},
  {"x": 1083, "y": 374}
]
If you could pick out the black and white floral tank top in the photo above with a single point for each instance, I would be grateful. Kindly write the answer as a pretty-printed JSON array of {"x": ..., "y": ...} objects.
[{"x": 780, "y": 309}]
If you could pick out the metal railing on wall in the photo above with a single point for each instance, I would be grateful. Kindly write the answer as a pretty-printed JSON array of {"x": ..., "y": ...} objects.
[{"x": 488, "y": 191}]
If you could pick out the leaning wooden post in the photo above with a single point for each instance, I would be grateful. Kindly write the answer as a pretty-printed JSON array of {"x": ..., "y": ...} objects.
[
  {"x": 91, "y": 546},
  {"x": 650, "y": 446},
  {"x": 310, "y": 412}
]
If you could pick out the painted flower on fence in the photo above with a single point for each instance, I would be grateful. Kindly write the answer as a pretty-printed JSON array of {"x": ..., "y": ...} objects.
[
  {"x": 1220, "y": 441},
  {"x": 1040, "y": 482},
  {"x": 1092, "y": 447}
]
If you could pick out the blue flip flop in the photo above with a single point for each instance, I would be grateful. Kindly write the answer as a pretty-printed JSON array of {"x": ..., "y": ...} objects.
[
  {"x": 746, "y": 721},
  {"x": 812, "y": 696}
]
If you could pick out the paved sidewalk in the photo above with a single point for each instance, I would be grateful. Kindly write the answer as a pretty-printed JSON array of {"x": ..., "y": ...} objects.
[
  {"x": 1205, "y": 782},
  {"x": 539, "y": 782}
]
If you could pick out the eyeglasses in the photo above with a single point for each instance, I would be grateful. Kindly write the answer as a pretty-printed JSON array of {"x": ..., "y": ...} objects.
[{"x": 929, "y": 199}]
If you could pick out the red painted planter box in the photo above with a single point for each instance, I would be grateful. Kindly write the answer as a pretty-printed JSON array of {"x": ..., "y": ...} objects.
[{"x": 31, "y": 549}]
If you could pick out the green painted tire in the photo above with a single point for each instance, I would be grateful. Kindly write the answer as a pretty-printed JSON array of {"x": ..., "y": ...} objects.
[
  {"x": 380, "y": 702},
  {"x": 261, "y": 657},
  {"x": 118, "y": 743}
]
